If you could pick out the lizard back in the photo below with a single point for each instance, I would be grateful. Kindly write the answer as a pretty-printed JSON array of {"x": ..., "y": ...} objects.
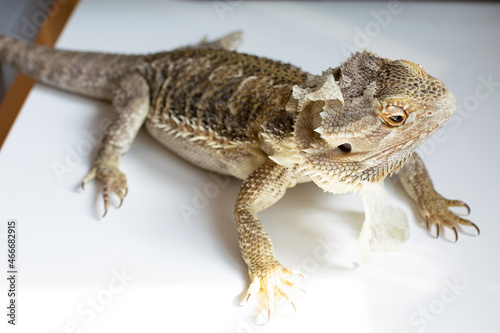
[{"x": 220, "y": 101}]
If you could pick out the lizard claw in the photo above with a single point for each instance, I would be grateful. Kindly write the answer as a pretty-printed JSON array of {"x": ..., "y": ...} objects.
[
  {"x": 273, "y": 282},
  {"x": 458, "y": 203},
  {"x": 456, "y": 234},
  {"x": 477, "y": 229},
  {"x": 113, "y": 180},
  {"x": 436, "y": 211}
]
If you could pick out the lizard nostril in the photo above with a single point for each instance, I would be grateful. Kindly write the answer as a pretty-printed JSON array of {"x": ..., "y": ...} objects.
[{"x": 346, "y": 147}]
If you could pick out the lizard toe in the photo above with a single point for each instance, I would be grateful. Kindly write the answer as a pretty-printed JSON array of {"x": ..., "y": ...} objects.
[
  {"x": 436, "y": 212},
  {"x": 276, "y": 283},
  {"x": 114, "y": 181},
  {"x": 89, "y": 176}
]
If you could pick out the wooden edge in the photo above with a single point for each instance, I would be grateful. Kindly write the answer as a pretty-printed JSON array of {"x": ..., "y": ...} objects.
[{"x": 17, "y": 94}]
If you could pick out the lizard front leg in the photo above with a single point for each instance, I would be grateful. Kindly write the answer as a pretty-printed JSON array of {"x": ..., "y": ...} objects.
[
  {"x": 131, "y": 101},
  {"x": 432, "y": 206},
  {"x": 264, "y": 187}
]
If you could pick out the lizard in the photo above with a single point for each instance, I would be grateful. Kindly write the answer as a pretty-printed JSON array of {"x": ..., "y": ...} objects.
[{"x": 265, "y": 122}]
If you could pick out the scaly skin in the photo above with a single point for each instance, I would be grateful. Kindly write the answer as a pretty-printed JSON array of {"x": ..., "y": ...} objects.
[
  {"x": 431, "y": 205},
  {"x": 263, "y": 121}
]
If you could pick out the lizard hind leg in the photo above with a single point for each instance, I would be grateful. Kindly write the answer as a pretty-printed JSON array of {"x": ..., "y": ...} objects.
[{"x": 131, "y": 101}]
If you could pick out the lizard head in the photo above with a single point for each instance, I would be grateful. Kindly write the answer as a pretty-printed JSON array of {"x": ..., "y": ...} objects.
[{"x": 360, "y": 122}]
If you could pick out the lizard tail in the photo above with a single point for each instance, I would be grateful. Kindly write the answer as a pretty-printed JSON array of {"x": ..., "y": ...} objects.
[{"x": 88, "y": 73}]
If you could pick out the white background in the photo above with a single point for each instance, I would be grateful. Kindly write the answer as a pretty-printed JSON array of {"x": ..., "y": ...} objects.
[{"x": 188, "y": 274}]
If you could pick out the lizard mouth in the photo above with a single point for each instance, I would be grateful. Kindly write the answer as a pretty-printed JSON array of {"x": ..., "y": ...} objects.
[{"x": 390, "y": 151}]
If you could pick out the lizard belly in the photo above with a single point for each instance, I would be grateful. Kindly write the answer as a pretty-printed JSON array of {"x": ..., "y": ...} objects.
[{"x": 213, "y": 154}]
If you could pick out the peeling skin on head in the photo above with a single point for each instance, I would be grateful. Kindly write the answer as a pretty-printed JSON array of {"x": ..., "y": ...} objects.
[
  {"x": 379, "y": 107},
  {"x": 354, "y": 132}
]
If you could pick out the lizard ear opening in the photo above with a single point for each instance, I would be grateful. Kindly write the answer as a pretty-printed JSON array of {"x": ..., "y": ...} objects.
[{"x": 346, "y": 147}]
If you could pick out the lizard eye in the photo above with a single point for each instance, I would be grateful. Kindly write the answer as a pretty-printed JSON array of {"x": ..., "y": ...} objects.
[
  {"x": 394, "y": 115},
  {"x": 397, "y": 119}
]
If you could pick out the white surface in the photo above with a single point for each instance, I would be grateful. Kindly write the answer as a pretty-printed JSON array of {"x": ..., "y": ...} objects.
[{"x": 188, "y": 273}]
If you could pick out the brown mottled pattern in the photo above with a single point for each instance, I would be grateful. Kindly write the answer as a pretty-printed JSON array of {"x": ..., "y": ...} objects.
[
  {"x": 404, "y": 78},
  {"x": 231, "y": 93},
  {"x": 234, "y": 113}
]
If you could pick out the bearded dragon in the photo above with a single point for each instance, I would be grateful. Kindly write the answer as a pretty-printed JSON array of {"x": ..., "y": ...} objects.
[{"x": 265, "y": 122}]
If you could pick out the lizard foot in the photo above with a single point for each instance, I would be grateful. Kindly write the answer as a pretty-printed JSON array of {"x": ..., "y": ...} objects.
[
  {"x": 113, "y": 180},
  {"x": 435, "y": 210},
  {"x": 274, "y": 282}
]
